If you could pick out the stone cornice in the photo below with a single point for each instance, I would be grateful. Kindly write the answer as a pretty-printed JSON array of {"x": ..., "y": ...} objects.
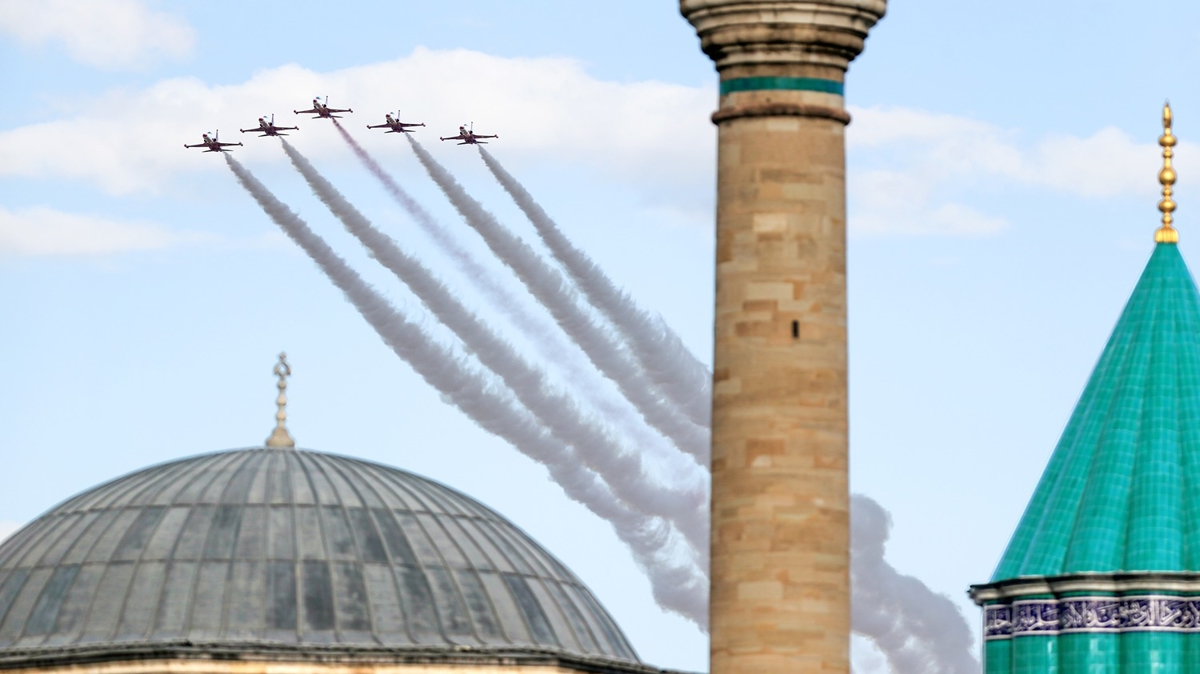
[
  {"x": 824, "y": 33},
  {"x": 361, "y": 658},
  {"x": 1016, "y": 588},
  {"x": 781, "y": 110}
]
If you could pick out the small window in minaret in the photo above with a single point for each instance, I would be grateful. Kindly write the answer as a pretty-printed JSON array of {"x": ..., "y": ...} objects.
[{"x": 795, "y": 329}]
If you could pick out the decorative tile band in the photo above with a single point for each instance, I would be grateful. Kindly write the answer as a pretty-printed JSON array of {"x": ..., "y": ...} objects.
[
  {"x": 782, "y": 83},
  {"x": 1146, "y": 613}
]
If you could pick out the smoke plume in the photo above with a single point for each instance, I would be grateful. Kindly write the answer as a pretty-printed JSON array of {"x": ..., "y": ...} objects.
[
  {"x": 552, "y": 290},
  {"x": 659, "y": 350},
  {"x": 918, "y": 630},
  {"x": 531, "y": 324},
  {"x": 677, "y": 585},
  {"x": 622, "y": 469}
]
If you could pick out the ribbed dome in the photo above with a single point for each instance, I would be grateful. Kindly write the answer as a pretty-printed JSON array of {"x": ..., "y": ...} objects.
[
  {"x": 288, "y": 548},
  {"x": 1120, "y": 493}
]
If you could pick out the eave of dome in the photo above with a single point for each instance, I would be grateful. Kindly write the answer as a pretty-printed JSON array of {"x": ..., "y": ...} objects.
[
  {"x": 361, "y": 658},
  {"x": 293, "y": 548}
]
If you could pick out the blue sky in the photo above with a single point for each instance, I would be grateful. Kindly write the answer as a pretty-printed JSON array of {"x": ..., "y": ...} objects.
[{"x": 1002, "y": 197}]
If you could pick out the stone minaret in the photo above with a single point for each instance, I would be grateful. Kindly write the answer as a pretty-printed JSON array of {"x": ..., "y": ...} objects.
[{"x": 780, "y": 518}]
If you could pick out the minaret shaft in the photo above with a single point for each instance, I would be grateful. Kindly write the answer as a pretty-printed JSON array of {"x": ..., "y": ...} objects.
[
  {"x": 780, "y": 551},
  {"x": 780, "y": 512}
]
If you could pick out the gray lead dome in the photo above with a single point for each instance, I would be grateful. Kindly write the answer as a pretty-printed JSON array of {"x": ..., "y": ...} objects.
[{"x": 293, "y": 549}]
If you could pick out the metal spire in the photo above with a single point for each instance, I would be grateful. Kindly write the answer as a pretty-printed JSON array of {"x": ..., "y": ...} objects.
[
  {"x": 280, "y": 438},
  {"x": 1167, "y": 233}
]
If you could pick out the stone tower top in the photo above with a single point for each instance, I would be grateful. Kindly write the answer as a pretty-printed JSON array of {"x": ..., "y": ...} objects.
[{"x": 773, "y": 38}]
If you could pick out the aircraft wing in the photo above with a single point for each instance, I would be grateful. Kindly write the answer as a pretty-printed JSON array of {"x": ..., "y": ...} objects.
[
  {"x": 458, "y": 137},
  {"x": 338, "y": 110},
  {"x": 483, "y": 136},
  {"x": 378, "y": 126},
  {"x": 313, "y": 111}
]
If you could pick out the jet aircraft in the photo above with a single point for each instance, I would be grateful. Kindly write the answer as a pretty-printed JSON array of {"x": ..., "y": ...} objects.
[
  {"x": 393, "y": 124},
  {"x": 469, "y": 137},
  {"x": 213, "y": 144},
  {"x": 269, "y": 128},
  {"x": 322, "y": 110}
]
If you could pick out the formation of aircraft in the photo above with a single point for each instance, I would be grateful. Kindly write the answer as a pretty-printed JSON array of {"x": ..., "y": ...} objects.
[
  {"x": 466, "y": 135},
  {"x": 394, "y": 125},
  {"x": 322, "y": 110},
  {"x": 268, "y": 128},
  {"x": 213, "y": 144}
]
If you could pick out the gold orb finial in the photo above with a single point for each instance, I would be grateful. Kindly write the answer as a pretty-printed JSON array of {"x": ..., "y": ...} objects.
[
  {"x": 1166, "y": 177},
  {"x": 280, "y": 438}
]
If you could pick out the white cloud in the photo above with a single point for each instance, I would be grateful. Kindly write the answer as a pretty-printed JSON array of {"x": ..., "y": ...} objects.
[
  {"x": 544, "y": 108},
  {"x": 8, "y": 529},
  {"x": 913, "y": 173},
  {"x": 110, "y": 34},
  {"x": 47, "y": 232},
  {"x": 911, "y": 170}
]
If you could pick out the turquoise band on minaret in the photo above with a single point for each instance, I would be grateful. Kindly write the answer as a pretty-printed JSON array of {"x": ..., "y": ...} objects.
[{"x": 782, "y": 84}]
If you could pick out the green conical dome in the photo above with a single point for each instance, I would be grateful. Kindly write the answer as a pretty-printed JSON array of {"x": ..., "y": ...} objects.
[
  {"x": 1120, "y": 492},
  {"x": 1103, "y": 573}
]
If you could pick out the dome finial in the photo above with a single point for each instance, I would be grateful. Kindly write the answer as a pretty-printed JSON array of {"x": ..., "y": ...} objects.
[
  {"x": 280, "y": 438},
  {"x": 1167, "y": 233}
]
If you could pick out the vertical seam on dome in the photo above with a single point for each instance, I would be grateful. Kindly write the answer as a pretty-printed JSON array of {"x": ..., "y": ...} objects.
[
  {"x": 302, "y": 459},
  {"x": 472, "y": 537},
  {"x": 430, "y": 493},
  {"x": 85, "y": 621},
  {"x": 188, "y": 619},
  {"x": 353, "y": 541},
  {"x": 367, "y": 482},
  {"x": 1188, "y": 414},
  {"x": 163, "y": 482},
  {"x": 292, "y": 461},
  {"x": 549, "y": 571},
  {"x": 413, "y": 498},
  {"x": 437, "y": 549},
  {"x": 1122, "y": 377},
  {"x": 500, "y": 541},
  {"x": 247, "y": 457},
  {"x": 220, "y": 459}
]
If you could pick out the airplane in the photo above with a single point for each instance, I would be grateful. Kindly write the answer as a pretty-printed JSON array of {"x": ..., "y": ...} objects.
[
  {"x": 393, "y": 124},
  {"x": 468, "y": 136},
  {"x": 213, "y": 144},
  {"x": 269, "y": 128},
  {"x": 322, "y": 110}
]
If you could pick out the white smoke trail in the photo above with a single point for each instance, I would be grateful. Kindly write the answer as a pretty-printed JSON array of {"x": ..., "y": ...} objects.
[
  {"x": 533, "y": 325},
  {"x": 552, "y": 290},
  {"x": 659, "y": 350},
  {"x": 621, "y": 469},
  {"x": 677, "y": 586},
  {"x": 917, "y": 630}
]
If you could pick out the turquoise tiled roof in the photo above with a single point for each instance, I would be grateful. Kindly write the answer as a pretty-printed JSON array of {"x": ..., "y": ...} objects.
[{"x": 1122, "y": 489}]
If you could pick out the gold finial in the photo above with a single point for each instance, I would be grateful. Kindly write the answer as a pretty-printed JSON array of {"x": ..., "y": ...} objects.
[
  {"x": 1167, "y": 233},
  {"x": 280, "y": 438}
]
